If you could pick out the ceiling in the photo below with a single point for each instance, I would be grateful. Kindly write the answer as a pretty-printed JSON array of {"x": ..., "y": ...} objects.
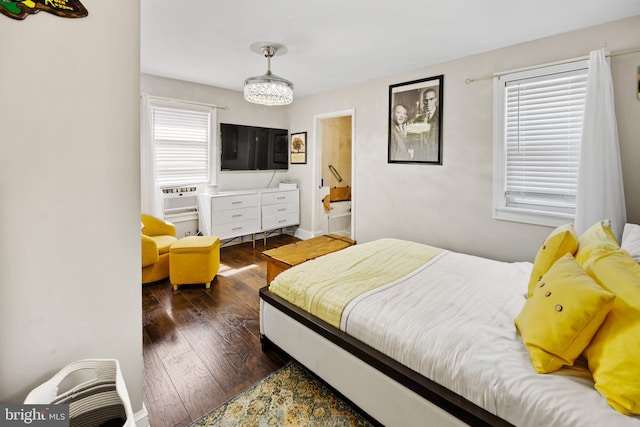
[{"x": 337, "y": 43}]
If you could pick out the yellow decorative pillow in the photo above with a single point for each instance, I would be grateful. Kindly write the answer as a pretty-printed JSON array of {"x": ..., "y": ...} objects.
[
  {"x": 558, "y": 321},
  {"x": 613, "y": 352},
  {"x": 563, "y": 240},
  {"x": 617, "y": 272},
  {"x": 630, "y": 240},
  {"x": 597, "y": 238}
]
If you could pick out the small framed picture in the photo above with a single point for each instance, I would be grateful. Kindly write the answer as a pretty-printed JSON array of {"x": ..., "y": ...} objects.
[
  {"x": 415, "y": 121},
  {"x": 299, "y": 148}
]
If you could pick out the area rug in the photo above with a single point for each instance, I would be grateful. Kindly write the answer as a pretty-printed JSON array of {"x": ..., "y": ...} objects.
[{"x": 288, "y": 397}]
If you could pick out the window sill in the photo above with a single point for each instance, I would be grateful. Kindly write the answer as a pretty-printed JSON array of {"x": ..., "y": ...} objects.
[{"x": 532, "y": 217}]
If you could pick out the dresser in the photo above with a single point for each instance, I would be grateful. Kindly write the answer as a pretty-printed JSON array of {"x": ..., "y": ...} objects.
[{"x": 231, "y": 214}]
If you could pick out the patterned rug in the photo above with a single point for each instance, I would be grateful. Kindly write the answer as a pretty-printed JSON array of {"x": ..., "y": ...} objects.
[{"x": 288, "y": 397}]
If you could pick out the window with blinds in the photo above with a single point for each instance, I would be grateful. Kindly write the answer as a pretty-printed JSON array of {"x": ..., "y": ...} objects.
[
  {"x": 538, "y": 139},
  {"x": 182, "y": 141}
]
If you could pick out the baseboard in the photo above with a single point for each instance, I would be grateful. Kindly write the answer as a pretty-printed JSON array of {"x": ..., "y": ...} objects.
[
  {"x": 304, "y": 234},
  {"x": 142, "y": 417}
]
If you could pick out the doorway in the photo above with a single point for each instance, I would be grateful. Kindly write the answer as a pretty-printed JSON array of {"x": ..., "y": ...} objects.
[{"x": 335, "y": 198}]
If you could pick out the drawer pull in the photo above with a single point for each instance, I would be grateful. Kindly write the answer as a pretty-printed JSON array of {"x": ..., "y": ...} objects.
[
  {"x": 238, "y": 202},
  {"x": 281, "y": 197},
  {"x": 236, "y": 216},
  {"x": 281, "y": 221},
  {"x": 282, "y": 209},
  {"x": 236, "y": 228}
]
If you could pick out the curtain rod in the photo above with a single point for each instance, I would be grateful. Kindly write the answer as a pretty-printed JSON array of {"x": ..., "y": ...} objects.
[
  {"x": 160, "y": 98},
  {"x": 567, "y": 61}
]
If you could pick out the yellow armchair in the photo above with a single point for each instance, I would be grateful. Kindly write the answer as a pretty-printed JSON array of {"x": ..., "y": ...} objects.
[{"x": 157, "y": 237}]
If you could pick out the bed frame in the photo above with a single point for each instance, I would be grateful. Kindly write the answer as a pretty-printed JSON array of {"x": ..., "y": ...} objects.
[{"x": 388, "y": 391}]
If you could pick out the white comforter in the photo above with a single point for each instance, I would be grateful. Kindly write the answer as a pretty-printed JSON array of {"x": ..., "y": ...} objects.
[{"x": 458, "y": 330}]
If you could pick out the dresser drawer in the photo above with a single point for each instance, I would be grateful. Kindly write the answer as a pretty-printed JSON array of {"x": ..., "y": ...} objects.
[
  {"x": 221, "y": 203},
  {"x": 235, "y": 229},
  {"x": 234, "y": 215},
  {"x": 290, "y": 196},
  {"x": 279, "y": 209},
  {"x": 273, "y": 222}
]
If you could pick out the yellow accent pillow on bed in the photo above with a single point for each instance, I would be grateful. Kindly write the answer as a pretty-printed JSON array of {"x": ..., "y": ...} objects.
[
  {"x": 597, "y": 238},
  {"x": 563, "y": 240},
  {"x": 558, "y": 321},
  {"x": 613, "y": 354}
]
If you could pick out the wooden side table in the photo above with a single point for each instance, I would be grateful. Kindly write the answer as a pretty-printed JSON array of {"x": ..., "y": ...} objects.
[{"x": 285, "y": 257}]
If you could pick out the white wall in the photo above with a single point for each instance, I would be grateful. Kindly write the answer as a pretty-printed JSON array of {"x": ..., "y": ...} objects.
[
  {"x": 70, "y": 206},
  {"x": 238, "y": 111},
  {"x": 450, "y": 205}
]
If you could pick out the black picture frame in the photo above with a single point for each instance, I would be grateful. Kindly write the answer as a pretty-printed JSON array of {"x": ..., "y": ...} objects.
[
  {"x": 419, "y": 138},
  {"x": 298, "y": 148}
]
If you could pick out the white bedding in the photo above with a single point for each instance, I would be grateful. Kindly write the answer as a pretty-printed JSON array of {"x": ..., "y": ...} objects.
[{"x": 458, "y": 330}]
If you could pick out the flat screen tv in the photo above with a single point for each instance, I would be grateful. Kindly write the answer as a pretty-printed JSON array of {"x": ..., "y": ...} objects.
[{"x": 250, "y": 148}]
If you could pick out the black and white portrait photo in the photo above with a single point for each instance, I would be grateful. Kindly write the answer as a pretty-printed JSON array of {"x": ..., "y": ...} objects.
[{"x": 415, "y": 121}]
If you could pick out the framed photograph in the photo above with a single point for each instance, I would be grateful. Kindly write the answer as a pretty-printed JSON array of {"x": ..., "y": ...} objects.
[
  {"x": 299, "y": 148},
  {"x": 415, "y": 121}
]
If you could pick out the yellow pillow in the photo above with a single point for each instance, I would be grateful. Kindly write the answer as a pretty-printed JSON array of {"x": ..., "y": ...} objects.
[
  {"x": 597, "y": 238},
  {"x": 558, "y": 321},
  {"x": 563, "y": 240},
  {"x": 613, "y": 354}
]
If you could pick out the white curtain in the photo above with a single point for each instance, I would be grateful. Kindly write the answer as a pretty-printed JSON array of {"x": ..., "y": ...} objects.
[
  {"x": 600, "y": 193},
  {"x": 151, "y": 200}
]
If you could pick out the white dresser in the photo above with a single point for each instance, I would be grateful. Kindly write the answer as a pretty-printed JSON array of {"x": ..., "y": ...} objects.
[{"x": 231, "y": 214}]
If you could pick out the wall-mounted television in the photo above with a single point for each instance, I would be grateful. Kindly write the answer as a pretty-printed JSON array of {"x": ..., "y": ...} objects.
[{"x": 250, "y": 148}]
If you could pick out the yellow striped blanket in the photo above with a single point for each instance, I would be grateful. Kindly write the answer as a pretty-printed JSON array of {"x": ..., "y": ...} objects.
[{"x": 325, "y": 285}]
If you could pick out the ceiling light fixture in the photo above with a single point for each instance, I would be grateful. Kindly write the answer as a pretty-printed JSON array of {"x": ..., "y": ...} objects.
[{"x": 268, "y": 89}]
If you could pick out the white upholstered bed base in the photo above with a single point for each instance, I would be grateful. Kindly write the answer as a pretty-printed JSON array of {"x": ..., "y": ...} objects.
[{"x": 384, "y": 399}]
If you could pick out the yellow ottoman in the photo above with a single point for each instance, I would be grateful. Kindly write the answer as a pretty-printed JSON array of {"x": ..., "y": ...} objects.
[{"x": 194, "y": 259}]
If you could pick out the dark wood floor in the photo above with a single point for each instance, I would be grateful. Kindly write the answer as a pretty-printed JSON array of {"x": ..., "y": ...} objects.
[{"x": 201, "y": 346}]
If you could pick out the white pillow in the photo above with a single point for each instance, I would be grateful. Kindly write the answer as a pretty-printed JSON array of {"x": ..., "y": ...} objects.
[{"x": 631, "y": 240}]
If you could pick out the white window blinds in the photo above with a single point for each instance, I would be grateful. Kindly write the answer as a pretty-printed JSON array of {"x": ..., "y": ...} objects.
[
  {"x": 542, "y": 132},
  {"x": 181, "y": 143}
]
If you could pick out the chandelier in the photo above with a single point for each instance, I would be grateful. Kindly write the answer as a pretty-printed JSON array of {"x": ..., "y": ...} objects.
[{"x": 268, "y": 89}]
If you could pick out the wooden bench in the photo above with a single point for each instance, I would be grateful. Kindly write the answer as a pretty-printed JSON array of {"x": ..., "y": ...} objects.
[{"x": 285, "y": 257}]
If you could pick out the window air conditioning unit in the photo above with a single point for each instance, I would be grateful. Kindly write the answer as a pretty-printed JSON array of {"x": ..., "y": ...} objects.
[
  {"x": 179, "y": 200},
  {"x": 180, "y": 206}
]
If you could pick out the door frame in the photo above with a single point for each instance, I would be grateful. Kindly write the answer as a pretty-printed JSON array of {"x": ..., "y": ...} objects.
[{"x": 317, "y": 167}]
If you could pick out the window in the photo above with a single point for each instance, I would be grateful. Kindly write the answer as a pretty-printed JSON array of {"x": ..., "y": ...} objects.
[
  {"x": 537, "y": 134},
  {"x": 182, "y": 143}
]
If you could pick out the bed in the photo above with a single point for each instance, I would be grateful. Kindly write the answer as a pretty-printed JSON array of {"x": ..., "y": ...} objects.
[{"x": 426, "y": 336}]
